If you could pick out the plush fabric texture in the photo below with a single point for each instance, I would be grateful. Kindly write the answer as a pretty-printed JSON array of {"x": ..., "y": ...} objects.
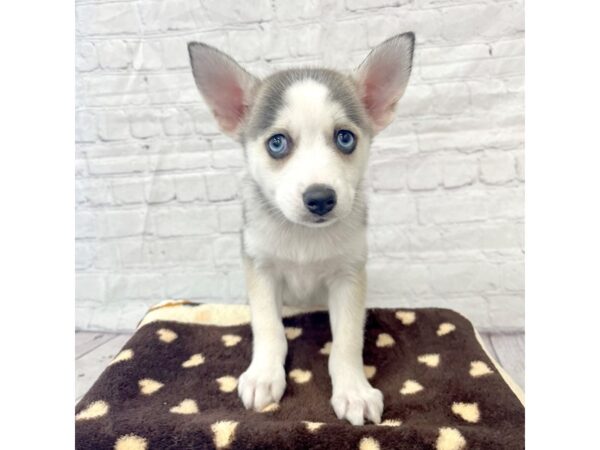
[{"x": 174, "y": 386}]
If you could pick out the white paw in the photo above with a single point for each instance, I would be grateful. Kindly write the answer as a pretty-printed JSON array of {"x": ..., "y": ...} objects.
[
  {"x": 357, "y": 401},
  {"x": 261, "y": 385}
]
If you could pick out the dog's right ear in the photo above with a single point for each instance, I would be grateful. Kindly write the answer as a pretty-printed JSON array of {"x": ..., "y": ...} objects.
[{"x": 225, "y": 85}]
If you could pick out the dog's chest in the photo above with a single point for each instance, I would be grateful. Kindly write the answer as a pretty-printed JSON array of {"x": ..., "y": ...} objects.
[
  {"x": 305, "y": 261},
  {"x": 306, "y": 284}
]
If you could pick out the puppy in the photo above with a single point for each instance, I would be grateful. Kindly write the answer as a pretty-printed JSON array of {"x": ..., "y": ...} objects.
[{"x": 306, "y": 134}]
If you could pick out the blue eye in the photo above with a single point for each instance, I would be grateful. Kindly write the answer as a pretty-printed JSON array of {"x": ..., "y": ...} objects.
[
  {"x": 277, "y": 146},
  {"x": 345, "y": 141}
]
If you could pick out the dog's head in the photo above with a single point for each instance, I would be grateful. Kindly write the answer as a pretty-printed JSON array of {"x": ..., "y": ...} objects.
[{"x": 306, "y": 132}]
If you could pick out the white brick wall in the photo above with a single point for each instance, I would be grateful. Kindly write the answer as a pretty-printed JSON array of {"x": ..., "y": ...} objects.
[{"x": 157, "y": 187}]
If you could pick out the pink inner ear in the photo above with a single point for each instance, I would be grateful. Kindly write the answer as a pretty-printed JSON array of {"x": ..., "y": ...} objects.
[
  {"x": 228, "y": 102},
  {"x": 379, "y": 90},
  {"x": 370, "y": 97}
]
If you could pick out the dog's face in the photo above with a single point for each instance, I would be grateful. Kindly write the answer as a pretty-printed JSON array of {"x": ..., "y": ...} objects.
[
  {"x": 306, "y": 132},
  {"x": 307, "y": 140}
]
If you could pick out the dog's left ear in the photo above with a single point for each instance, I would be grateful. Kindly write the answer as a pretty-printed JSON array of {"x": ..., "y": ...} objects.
[
  {"x": 382, "y": 78},
  {"x": 225, "y": 85}
]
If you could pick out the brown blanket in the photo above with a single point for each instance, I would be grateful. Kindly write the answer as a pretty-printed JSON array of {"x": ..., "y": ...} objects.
[{"x": 174, "y": 386}]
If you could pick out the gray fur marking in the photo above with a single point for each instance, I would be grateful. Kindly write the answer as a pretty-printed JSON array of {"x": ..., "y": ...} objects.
[{"x": 270, "y": 98}]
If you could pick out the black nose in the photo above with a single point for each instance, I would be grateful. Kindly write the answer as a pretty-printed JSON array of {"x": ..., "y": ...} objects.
[{"x": 319, "y": 199}]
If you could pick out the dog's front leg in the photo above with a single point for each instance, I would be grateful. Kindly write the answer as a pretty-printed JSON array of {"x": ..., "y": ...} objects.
[
  {"x": 353, "y": 397},
  {"x": 264, "y": 380}
]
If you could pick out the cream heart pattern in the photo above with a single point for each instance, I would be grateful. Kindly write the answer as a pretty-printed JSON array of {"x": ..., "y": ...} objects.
[
  {"x": 410, "y": 387},
  {"x": 292, "y": 332},
  {"x": 187, "y": 406},
  {"x": 406, "y": 317},
  {"x": 227, "y": 383},
  {"x": 369, "y": 371},
  {"x": 193, "y": 361},
  {"x": 479, "y": 369},
  {"x": 94, "y": 410},
  {"x": 326, "y": 350},
  {"x": 270, "y": 408},
  {"x": 431, "y": 359},
  {"x": 384, "y": 340},
  {"x": 445, "y": 328},
  {"x": 149, "y": 386},
  {"x": 450, "y": 439},
  {"x": 301, "y": 376},
  {"x": 390, "y": 423},
  {"x": 166, "y": 335},
  {"x": 230, "y": 340},
  {"x": 469, "y": 412},
  {"x": 312, "y": 426},
  {"x": 131, "y": 442},
  {"x": 122, "y": 356},
  {"x": 368, "y": 443},
  {"x": 223, "y": 432}
]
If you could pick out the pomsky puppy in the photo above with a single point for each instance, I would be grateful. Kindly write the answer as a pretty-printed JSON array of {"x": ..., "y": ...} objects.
[{"x": 306, "y": 135}]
